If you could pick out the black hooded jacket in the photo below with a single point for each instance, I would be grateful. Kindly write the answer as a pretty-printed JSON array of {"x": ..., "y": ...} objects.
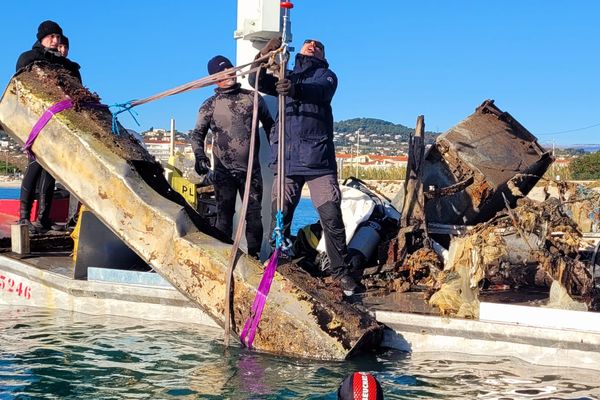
[
  {"x": 40, "y": 53},
  {"x": 308, "y": 117}
]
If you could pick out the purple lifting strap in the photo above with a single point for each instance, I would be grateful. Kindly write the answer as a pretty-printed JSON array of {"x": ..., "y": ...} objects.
[
  {"x": 41, "y": 123},
  {"x": 247, "y": 335}
]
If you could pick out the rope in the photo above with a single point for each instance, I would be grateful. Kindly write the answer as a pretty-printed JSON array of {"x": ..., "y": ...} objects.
[
  {"x": 206, "y": 81},
  {"x": 249, "y": 330},
  {"x": 197, "y": 84},
  {"x": 278, "y": 232},
  {"x": 122, "y": 107},
  {"x": 251, "y": 325},
  {"x": 242, "y": 217}
]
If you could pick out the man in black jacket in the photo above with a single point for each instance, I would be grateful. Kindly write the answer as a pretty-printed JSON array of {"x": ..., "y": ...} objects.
[
  {"x": 45, "y": 49},
  {"x": 228, "y": 114},
  {"x": 309, "y": 149}
]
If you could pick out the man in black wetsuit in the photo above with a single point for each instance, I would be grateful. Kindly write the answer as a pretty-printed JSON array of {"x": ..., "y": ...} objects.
[
  {"x": 45, "y": 49},
  {"x": 228, "y": 114}
]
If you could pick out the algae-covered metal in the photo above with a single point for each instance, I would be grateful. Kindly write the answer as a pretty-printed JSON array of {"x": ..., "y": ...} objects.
[
  {"x": 489, "y": 155},
  {"x": 114, "y": 176}
]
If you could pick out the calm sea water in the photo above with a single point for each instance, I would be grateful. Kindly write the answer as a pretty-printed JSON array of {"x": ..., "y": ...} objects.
[
  {"x": 53, "y": 354},
  {"x": 305, "y": 213},
  {"x": 9, "y": 193},
  {"x": 591, "y": 148}
]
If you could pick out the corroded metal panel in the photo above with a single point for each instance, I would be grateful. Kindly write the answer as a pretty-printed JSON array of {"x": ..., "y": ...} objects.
[
  {"x": 491, "y": 151},
  {"x": 121, "y": 182}
]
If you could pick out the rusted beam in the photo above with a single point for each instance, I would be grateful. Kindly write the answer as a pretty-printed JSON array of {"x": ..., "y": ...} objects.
[
  {"x": 114, "y": 176},
  {"x": 413, "y": 209}
]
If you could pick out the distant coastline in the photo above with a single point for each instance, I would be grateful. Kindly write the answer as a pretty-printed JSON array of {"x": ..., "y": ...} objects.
[{"x": 588, "y": 148}]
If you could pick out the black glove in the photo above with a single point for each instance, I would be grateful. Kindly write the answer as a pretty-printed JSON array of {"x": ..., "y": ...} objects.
[
  {"x": 271, "y": 45},
  {"x": 202, "y": 165},
  {"x": 285, "y": 87}
]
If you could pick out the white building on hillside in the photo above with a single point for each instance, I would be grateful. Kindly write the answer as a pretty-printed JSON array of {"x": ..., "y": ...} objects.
[{"x": 161, "y": 149}]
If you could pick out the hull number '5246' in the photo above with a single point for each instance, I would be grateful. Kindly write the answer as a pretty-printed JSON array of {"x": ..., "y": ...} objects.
[{"x": 11, "y": 286}]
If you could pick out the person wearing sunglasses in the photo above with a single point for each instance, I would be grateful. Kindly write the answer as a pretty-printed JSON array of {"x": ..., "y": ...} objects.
[{"x": 310, "y": 152}]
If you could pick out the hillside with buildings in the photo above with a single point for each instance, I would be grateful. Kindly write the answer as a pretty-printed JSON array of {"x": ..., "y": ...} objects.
[
  {"x": 374, "y": 136},
  {"x": 362, "y": 144},
  {"x": 158, "y": 143},
  {"x": 12, "y": 158}
]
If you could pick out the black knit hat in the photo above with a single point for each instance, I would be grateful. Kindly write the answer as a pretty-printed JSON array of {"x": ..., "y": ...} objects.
[
  {"x": 64, "y": 41},
  {"x": 218, "y": 64},
  {"x": 360, "y": 386},
  {"x": 48, "y": 28}
]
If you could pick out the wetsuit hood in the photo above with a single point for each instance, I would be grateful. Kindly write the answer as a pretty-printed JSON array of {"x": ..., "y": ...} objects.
[{"x": 230, "y": 90}]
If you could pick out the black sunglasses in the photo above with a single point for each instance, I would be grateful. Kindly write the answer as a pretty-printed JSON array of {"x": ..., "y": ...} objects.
[{"x": 316, "y": 42}]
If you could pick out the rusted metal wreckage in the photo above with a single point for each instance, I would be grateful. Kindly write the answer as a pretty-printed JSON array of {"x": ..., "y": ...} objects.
[
  {"x": 467, "y": 225},
  {"x": 114, "y": 176}
]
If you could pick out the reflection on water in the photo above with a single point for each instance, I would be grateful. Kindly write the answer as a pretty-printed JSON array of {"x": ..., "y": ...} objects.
[{"x": 46, "y": 354}]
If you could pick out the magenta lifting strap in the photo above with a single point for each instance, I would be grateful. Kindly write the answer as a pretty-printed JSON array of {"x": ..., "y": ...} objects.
[
  {"x": 41, "y": 123},
  {"x": 247, "y": 335}
]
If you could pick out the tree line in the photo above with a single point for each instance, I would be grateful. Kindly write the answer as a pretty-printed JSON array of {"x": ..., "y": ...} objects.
[
  {"x": 379, "y": 127},
  {"x": 586, "y": 167}
]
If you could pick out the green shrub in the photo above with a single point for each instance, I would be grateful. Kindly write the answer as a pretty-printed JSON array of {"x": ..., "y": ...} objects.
[
  {"x": 586, "y": 167},
  {"x": 7, "y": 168},
  {"x": 563, "y": 172},
  {"x": 382, "y": 174}
]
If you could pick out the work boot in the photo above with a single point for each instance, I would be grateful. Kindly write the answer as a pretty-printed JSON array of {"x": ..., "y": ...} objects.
[
  {"x": 46, "y": 196},
  {"x": 58, "y": 227},
  {"x": 38, "y": 227},
  {"x": 24, "y": 213},
  {"x": 46, "y": 226},
  {"x": 348, "y": 284}
]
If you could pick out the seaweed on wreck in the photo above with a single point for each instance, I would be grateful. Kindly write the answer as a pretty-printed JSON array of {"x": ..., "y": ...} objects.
[
  {"x": 53, "y": 83},
  {"x": 549, "y": 242}
]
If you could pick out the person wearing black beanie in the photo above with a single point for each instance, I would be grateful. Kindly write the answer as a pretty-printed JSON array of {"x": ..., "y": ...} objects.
[
  {"x": 63, "y": 46},
  {"x": 45, "y": 49},
  {"x": 47, "y": 28},
  {"x": 49, "y": 36},
  {"x": 228, "y": 115}
]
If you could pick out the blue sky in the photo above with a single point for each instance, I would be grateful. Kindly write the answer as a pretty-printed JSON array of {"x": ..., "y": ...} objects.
[{"x": 395, "y": 60}]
